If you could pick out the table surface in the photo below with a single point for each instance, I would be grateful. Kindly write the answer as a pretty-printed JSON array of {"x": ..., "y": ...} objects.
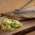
[{"x": 10, "y": 5}]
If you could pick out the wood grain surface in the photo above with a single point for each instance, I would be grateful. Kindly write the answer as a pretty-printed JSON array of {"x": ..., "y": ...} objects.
[
  {"x": 25, "y": 25},
  {"x": 10, "y": 5}
]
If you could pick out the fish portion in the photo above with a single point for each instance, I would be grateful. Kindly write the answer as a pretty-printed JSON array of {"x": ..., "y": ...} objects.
[{"x": 19, "y": 15}]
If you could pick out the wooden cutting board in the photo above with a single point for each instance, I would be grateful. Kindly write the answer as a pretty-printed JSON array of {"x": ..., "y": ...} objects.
[
  {"x": 25, "y": 25},
  {"x": 10, "y": 5}
]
